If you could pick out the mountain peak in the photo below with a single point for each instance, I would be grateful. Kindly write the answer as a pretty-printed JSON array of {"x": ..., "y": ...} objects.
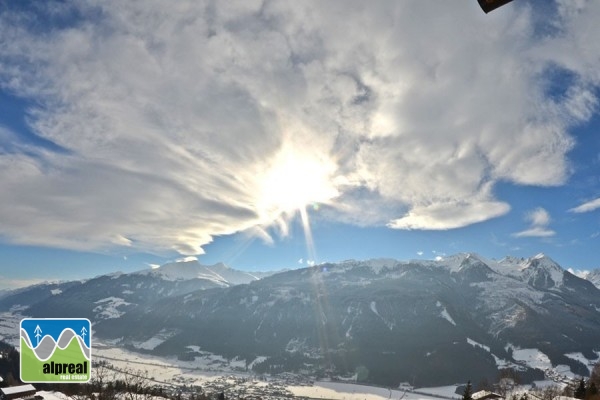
[
  {"x": 543, "y": 272},
  {"x": 543, "y": 261},
  {"x": 218, "y": 273}
]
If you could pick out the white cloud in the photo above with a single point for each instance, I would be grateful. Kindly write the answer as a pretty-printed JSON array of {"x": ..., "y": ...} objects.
[
  {"x": 449, "y": 216},
  {"x": 536, "y": 231},
  {"x": 174, "y": 116},
  {"x": 587, "y": 206},
  {"x": 539, "y": 220},
  {"x": 538, "y": 217}
]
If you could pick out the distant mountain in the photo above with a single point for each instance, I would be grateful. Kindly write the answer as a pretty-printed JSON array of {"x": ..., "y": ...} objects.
[
  {"x": 219, "y": 273},
  {"x": 594, "y": 277},
  {"x": 384, "y": 321},
  {"x": 108, "y": 297},
  {"x": 27, "y": 296}
]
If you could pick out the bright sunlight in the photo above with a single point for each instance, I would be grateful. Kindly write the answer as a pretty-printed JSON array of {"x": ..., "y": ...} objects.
[{"x": 294, "y": 179}]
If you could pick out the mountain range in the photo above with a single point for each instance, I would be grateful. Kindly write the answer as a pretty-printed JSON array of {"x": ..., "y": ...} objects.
[{"x": 382, "y": 321}]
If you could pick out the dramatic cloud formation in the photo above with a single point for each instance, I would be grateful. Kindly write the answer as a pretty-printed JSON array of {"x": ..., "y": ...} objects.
[
  {"x": 164, "y": 125},
  {"x": 539, "y": 220}
]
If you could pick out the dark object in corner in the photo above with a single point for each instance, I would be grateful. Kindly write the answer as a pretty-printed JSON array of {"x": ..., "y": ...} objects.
[{"x": 491, "y": 5}]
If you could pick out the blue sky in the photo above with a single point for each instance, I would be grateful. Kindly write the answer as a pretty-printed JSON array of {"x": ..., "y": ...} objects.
[{"x": 272, "y": 135}]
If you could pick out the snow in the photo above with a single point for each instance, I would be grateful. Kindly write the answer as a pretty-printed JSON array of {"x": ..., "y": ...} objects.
[
  {"x": 374, "y": 308},
  {"x": 501, "y": 363},
  {"x": 565, "y": 371},
  {"x": 9, "y": 328},
  {"x": 556, "y": 273},
  {"x": 378, "y": 264},
  {"x": 594, "y": 277},
  {"x": 533, "y": 358},
  {"x": 108, "y": 307},
  {"x": 476, "y": 344},
  {"x": 353, "y": 391},
  {"x": 55, "y": 291},
  {"x": 256, "y": 361},
  {"x": 453, "y": 262},
  {"x": 209, "y": 367},
  {"x": 445, "y": 391},
  {"x": 444, "y": 314},
  {"x": 581, "y": 358},
  {"x": 389, "y": 324},
  {"x": 168, "y": 370},
  {"x": 218, "y": 273},
  {"x": 53, "y": 395},
  {"x": 17, "y": 389},
  {"x": 545, "y": 263},
  {"x": 156, "y": 340}
]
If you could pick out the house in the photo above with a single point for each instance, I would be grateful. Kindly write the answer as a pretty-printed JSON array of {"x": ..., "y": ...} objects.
[
  {"x": 18, "y": 392},
  {"x": 486, "y": 395}
]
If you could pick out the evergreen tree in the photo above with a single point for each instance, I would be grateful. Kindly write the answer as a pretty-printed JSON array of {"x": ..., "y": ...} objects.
[
  {"x": 467, "y": 394},
  {"x": 580, "y": 391},
  {"x": 595, "y": 377},
  {"x": 592, "y": 390}
]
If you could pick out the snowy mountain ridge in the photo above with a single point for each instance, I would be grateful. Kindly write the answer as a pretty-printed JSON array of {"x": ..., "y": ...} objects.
[
  {"x": 218, "y": 273},
  {"x": 396, "y": 318},
  {"x": 534, "y": 269}
]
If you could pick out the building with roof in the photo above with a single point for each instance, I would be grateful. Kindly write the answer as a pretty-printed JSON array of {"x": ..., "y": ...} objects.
[
  {"x": 486, "y": 395},
  {"x": 23, "y": 392}
]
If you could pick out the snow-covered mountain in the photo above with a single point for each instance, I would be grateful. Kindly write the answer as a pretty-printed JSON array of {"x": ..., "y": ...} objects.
[
  {"x": 425, "y": 321},
  {"x": 218, "y": 273},
  {"x": 594, "y": 277},
  {"x": 26, "y": 296},
  {"x": 108, "y": 297}
]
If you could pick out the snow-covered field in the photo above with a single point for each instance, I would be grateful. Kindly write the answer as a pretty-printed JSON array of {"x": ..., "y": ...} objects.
[
  {"x": 584, "y": 360},
  {"x": 108, "y": 308},
  {"x": 169, "y": 370},
  {"x": 532, "y": 357},
  {"x": 207, "y": 367},
  {"x": 351, "y": 391},
  {"x": 9, "y": 328}
]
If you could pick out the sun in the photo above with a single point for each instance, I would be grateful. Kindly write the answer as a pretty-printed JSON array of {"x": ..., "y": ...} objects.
[{"x": 294, "y": 179}]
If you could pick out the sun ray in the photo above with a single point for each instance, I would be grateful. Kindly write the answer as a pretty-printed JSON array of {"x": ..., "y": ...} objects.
[{"x": 308, "y": 238}]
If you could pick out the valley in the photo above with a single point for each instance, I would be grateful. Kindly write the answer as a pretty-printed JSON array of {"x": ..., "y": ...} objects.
[{"x": 377, "y": 322}]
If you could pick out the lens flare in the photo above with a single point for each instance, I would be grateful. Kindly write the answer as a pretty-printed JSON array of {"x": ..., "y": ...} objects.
[{"x": 295, "y": 179}]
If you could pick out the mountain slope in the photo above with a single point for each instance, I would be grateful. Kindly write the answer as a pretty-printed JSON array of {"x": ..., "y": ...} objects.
[
  {"x": 25, "y": 297},
  {"x": 594, "y": 277},
  {"x": 106, "y": 298},
  {"x": 219, "y": 273},
  {"x": 400, "y": 321}
]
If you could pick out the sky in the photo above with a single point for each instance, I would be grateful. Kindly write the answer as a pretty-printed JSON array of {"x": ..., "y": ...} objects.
[{"x": 276, "y": 134}]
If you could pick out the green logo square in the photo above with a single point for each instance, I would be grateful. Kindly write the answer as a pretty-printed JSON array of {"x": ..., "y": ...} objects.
[{"x": 56, "y": 350}]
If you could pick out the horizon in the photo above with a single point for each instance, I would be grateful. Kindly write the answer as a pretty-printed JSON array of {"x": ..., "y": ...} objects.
[
  {"x": 274, "y": 135},
  {"x": 580, "y": 273}
]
